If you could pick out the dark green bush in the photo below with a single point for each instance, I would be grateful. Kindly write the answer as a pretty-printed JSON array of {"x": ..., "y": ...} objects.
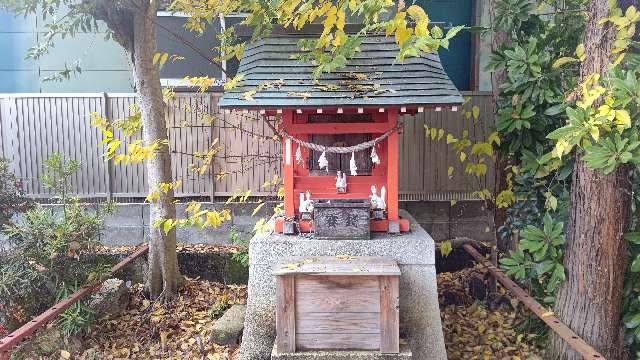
[
  {"x": 12, "y": 198},
  {"x": 46, "y": 261}
]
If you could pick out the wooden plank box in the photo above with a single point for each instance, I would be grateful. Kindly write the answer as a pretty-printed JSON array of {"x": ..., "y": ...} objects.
[{"x": 338, "y": 303}]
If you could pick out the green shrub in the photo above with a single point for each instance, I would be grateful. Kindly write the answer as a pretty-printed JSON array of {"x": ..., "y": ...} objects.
[
  {"x": 47, "y": 261},
  {"x": 242, "y": 256},
  {"x": 12, "y": 198}
]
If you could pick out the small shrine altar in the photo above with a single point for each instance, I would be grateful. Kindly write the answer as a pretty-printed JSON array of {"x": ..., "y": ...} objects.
[
  {"x": 340, "y": 136},
  {"x": 340, "y": 133}
]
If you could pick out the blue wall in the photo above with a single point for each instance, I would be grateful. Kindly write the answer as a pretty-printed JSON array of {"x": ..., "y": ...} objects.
[
  {"x": 458, "y": 59},
  {"x": 104, "y": 65}
]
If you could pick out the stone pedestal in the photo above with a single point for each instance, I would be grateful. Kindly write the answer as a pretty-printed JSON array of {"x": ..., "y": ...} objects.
[{"x": 415, "y": 253}]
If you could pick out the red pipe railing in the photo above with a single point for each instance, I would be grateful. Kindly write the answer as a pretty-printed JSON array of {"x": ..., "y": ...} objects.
[
  {"x": 575, "y": 341},
  {"x": 11, "y": 340}
]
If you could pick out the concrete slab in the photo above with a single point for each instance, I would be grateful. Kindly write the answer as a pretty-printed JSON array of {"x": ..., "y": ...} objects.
[
  {"x": 414, "y": 252},
  {"x": 126, "y": 215},
  {"x": 122, "y": 236},
  {"x": 405, "y": 354},
  {"x": 193, "y": 235}
]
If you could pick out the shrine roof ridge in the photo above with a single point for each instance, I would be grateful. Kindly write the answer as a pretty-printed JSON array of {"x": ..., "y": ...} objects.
[{"x": 373, "y": 77}]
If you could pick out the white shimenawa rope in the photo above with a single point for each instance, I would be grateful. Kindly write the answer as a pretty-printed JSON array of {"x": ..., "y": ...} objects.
[{"x": 342, "y": 149}]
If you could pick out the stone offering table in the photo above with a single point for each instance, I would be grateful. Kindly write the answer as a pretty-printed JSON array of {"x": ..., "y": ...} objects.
[{"x": 414, "y": 252}]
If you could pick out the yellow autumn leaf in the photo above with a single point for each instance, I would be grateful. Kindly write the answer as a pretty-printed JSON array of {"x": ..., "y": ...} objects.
[
  {"x": 494, "y": 137},
  {"x": 163, "y": 59},
  {"x": 153, "y": 196},
  {"x": 623, "y": 120},
  {"x": 231, "y": 84},
  {"x": 595, "y": 133},
  {"x": 561, "y": 147},
  {"x": 562, "y": 61},
  {"x": 248, "y": 95},
  {"x": 330, "y": 20},
  {"x": 580, "y": 52},
  {"x": 213, "y": 219},
  {"x": 446, "y": 248},
  {"x": 293, "y": 266},
  {"x": 451, "y": 139},
  {"x": 402, "y": 35},
  {"x": 463, "y": 156},
  {"x": 416, "y": 12},
  {"x": 193, "y": 207},
  {"x": 340, "y": 21},
  {"x": 450, "y": 172},
  {"x": 422, "y": 28},
  {"x": 167, "y": 225},
  {"x": 475, "y": 110},
  {"x": 120, "y": 158}
]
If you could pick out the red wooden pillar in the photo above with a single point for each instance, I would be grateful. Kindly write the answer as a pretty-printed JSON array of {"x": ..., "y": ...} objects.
[
  {"x": 287, "y": 167},
  {"x": 392, "y": 168}
]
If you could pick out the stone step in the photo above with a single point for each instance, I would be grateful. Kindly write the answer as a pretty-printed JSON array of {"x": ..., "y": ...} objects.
[{"x": 404, "y": 354}]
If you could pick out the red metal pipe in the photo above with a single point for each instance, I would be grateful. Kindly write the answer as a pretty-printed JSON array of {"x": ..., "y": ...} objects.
[
  {"x": 543, "y": 313},
  {"x": 11, "y": 340}
]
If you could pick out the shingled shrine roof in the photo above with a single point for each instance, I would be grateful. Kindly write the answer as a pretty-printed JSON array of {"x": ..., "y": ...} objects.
[{"x": 372, "y": 78}]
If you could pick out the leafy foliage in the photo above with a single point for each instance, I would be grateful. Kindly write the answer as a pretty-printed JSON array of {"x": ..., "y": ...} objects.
[
  {"x": 333, "y": 48},
  {"x": 242, "y": 256},
  {"x": 48, "y": 250},
  {"x": 538, "y": 261},
  {"x": 12, "y": 199},
  {"x": 547, "y": 119},
  {"x": 475, "y": 156},
  {"x": 78, "y": 317},
  {"x": 532, "y": 104}
]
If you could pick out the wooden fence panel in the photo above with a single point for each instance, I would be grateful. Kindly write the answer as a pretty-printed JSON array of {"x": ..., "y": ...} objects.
[
  {"x": 33, "y": 126},
  {"x": 128, "y": 179},
  {"x": 424, "y": 162}
]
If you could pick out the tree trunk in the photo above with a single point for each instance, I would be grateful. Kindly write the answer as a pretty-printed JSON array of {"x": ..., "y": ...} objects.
[
  {"x": 163, "y": 261},
  {"x": 498, "y": 38},
  {"x": 596, "y": 255}
]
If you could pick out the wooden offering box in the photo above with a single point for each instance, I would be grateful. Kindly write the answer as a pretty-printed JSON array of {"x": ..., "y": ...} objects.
[{"x": 338, "y": 303}]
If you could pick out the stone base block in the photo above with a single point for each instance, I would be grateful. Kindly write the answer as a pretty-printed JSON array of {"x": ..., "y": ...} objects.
[
  {"x": 404, "y": 354},
  {"x": 414, "y": 251}
]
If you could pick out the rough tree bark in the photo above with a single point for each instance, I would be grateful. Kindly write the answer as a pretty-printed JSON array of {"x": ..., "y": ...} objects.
[
  {"x": 133, "y": 25},
  {"x": 163, "y": 261},
  {"x": 498, "y": 39},
  {"x": 596, "y": 254}
]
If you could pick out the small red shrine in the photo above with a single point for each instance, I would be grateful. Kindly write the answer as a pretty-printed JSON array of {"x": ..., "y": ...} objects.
[{"x": 340, "y": 133}]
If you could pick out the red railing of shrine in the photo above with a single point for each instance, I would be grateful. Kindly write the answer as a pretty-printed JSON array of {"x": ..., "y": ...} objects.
[{"x": 557, "y": 326}]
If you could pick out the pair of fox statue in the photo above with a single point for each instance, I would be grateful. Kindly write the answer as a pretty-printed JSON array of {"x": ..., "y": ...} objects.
[{"x": 377, "y": 202}]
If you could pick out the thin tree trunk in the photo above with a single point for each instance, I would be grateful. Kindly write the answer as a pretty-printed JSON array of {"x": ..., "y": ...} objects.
[
  {"x": 498, "y": 39},
  {"x": 163, "y": 262},
  {"x": 596, "y": 256}
]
